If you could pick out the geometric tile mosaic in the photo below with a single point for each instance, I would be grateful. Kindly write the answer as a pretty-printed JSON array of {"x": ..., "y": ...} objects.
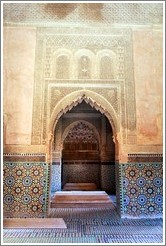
[
  {"x": 91, "y": 225},
  {"x": 141, "y": 189},
  {"x": 25, "y": 189},
  {"x": 55, "y": 178}
]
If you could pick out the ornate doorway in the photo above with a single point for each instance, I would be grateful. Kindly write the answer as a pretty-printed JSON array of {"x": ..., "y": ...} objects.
[{"x": 85, "y": 137}]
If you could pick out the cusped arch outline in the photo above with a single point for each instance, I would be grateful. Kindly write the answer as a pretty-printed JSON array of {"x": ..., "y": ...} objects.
[{"x": 94, "y": 99}]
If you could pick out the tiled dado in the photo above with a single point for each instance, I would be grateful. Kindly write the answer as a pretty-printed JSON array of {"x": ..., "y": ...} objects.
[
  {"x": 141, "y": 189},
  {"x": 25, "y": 189}
]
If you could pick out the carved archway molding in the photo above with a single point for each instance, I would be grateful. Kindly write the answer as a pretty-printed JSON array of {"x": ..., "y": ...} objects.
[
  {"x": 68, "y": 102},
  {"x": 94, "y": 99}
]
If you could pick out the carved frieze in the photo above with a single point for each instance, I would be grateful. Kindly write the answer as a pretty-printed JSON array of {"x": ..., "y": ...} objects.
[
  {"x": 148, "y": 157},
  {"x": 47, "y": 14},
  {"x": 24, "y": 157}
]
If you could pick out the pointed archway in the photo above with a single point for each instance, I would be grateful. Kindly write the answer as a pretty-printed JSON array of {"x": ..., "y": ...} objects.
[{"x": 96, "y": 101}]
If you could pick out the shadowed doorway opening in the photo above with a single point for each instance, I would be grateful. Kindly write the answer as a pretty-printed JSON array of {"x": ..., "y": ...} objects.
[{"x": 88, "y": 150}]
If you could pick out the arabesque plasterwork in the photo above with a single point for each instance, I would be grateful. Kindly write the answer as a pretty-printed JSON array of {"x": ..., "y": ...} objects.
[{"x": 118, "y": 91}]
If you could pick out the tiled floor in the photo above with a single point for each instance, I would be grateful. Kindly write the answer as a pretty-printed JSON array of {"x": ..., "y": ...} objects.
[{"x": 91, "y": 225}]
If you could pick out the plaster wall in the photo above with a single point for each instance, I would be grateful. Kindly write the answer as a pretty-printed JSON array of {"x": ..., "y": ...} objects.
[
  {"x": 148, "y": 58},
  {"x": 18, "y": 81}
]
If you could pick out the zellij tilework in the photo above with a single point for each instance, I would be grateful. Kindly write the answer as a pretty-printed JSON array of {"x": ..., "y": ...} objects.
[
  {"x": 141, "y": 189},
  {"x": 25, "y": 189}
]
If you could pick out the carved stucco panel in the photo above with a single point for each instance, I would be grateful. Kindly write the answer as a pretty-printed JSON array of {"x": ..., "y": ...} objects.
[
  {"x": 82, "y": 130},
  {"x": 111, "y": 94},
  {"x": 123, "y": 101},
  {"x": 95, "y": 49}
]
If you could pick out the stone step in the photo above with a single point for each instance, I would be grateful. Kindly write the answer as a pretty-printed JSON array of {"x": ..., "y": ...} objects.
[
  {"x": 80, "y": 198},
  {"x": 81, "y": 205}
]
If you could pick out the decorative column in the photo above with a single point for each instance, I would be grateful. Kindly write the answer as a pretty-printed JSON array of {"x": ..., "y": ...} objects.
[{"x": 56, "y": 166}]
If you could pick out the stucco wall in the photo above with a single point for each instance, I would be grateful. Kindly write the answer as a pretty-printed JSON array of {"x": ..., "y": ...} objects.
[
  {"x": 147, "y": 46},
  {"x": 18, "y": 81}
]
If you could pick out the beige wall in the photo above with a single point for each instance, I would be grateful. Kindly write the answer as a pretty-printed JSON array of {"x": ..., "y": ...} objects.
[
  {"x": 19, "y": 61},
  {"x": 148, "y": 85},
  {"x": 18, "y": 81}
]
